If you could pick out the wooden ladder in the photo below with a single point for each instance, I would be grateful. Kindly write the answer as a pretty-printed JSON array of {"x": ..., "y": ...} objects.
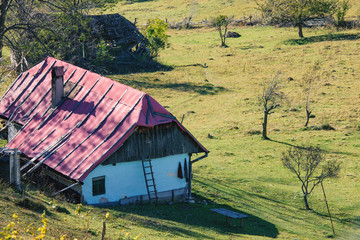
[{"x": 149, "y": 179}]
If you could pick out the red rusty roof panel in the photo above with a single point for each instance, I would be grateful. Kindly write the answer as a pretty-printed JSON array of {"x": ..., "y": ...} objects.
[{"x": 81, "y": 132}]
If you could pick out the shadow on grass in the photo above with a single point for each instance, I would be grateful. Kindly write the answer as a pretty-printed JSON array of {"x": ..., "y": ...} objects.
[
  {"x": 134, "y": 67},
  {"x": 196, "y": 220},
  {"x": 326, "y": 151},
  {"x": 322, "y": 38},
  {"x": 141, "y": 0},
  {"x": 200, "y": 88},
  {"x": 288, "y": 144},
  {"x": 204, "y": 88},
  {"x": 177, "y": 219}
]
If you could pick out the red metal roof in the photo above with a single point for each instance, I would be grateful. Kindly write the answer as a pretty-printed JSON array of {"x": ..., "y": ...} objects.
[{"x": 80, "y": 133}]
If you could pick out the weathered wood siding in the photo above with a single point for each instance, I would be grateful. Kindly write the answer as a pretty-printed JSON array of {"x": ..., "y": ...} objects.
[
  {"x": 13, "y": 129},
  {"x": 159, "y": 141}
]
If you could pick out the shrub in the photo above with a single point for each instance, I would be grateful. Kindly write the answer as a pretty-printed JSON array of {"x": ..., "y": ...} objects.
[
  {"x": 156, "y": 34},
  {"x": 327, "y": 127},
  {"x": 102, "y": 54},
  {"x": 341, "y": 11}
]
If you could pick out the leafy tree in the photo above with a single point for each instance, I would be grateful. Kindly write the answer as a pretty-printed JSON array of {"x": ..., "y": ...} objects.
[
  {"x": 58, "y": 28},
  {"x": 155, "y": 32},
  {"x": 296, "y": 12},
  {"x": 221, "y": 23},
  {"x": 341, "y": 11},
  {"x": 310, "y": 168},
  {"x": 270, "y": 99}
]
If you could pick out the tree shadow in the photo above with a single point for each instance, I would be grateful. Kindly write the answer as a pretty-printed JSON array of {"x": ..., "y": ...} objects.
[
  {"x": 198, "y": 215},
  {"x": 322, "y": 38},
  {"x": 326, "y": 151},
  {"x": 340, "y": 217},
  {"x": 141, "y": 0},
  {"x": 133, "y": 67},
  {"x": 200, "y": 88},
  {"x": 288, "y": 144}
]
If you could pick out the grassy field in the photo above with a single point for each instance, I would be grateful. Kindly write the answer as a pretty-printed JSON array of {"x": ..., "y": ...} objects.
[
  {"x": 177, "y": 10},
  {"x": 243, "y": 172}
]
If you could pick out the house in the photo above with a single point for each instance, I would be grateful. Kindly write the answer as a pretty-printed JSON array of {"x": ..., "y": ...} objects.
[{"x": 108, "y": 142}]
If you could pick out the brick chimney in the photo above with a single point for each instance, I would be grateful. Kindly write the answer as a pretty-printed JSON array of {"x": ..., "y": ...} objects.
[{"x": 57, "y": 85}]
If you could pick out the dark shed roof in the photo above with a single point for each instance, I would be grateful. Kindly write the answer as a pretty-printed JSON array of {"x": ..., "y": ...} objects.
[{"x": 116, "y": 28}]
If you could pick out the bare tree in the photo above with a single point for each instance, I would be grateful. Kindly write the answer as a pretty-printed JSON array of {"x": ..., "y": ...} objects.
[
  {"x": 309, "y": 86},
  {"x": 15, "y": 15},
  {"x": 309, "y": 166},
  {"x": 270, "y": 99}
]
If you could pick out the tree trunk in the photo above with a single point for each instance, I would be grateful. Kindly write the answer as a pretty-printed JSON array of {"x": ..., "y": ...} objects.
[
  {"x": 308, "y": 113},
  {"x": 264, "y": 132},
  {"x": 224, "y": 36},
  {"x": 221, "y": 36},
  {"x": 300, "y": 30},
  {"x": 1, "y": 47},
  {"x": 306, "y": 202}
]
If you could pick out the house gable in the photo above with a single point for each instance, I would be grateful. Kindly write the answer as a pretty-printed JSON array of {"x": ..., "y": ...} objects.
[{"x": 154, "y": 142}]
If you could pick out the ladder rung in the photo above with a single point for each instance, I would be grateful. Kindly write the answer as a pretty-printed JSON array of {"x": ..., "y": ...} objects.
[
  {"x": 148, "y": 173},
  {"x": 147, "y": 166},
  {"x": 149, "y": 179}
]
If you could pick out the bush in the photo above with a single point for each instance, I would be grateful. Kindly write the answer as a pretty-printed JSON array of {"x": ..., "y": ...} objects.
[
  {"x": 341, "y": 11},
  {"x": 327, "y": 127},
  {"x": 102, "y": 54},
  {"x": 155, "y": 33}
]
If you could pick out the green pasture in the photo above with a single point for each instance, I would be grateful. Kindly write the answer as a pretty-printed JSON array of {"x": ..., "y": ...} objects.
[
  {"x": 219, "y": 101},
  {"x": 177, "y": 10},
  {"x": 217, "y": 90}
]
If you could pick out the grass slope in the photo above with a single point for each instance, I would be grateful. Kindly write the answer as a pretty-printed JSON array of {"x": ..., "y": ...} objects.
[
  {"x": 177, "y": 10},
  {"x": 242, "y": 172}
]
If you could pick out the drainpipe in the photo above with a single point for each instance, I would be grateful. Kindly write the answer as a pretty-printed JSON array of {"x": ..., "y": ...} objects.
[{"x": 190, "y": 171}]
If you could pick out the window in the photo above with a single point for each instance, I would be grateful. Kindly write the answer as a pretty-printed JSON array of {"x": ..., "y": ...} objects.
[{"x": 98, "y": 185}]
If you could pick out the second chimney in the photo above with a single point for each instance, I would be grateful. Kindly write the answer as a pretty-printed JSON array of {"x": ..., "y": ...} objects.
[{"x": 57, "y": 85}]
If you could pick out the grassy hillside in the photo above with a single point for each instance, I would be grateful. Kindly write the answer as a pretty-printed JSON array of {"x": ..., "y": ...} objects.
[
  {"x": 177, "y": 10},
  {"x": 242, "y": 172}
]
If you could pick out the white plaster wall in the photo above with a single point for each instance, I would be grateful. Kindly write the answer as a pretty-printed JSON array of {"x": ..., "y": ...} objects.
[{"x": 127, "y": 179}]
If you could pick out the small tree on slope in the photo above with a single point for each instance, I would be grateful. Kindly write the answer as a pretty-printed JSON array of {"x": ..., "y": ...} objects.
[
  {"x": 270, "y": 99},
  {"x": 310, "y": 168},
  {"x": 221, "y": 23}
]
